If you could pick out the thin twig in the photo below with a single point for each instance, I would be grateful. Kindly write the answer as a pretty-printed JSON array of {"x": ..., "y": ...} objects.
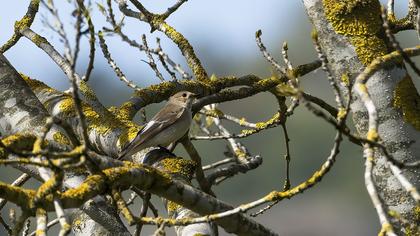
[
  {"x": 267, "y": 55},
  {"x": 91, "y": 29},
  {"x": 151, "y": 61},
  {"x": 58, "y": 27},
  {"x": 324, "y": 61},
  {"x": 78, "y": 36},
  {"x": 173, "y": 8},
  {"x": 49, "y": 225},
  {"x": 218, "y": 163},
  {"x": 143, "y": 213},
  {"x": 112, "y": 63},
  {"x": 220, "y": 174},
  {"x": 395, "y": 43}
]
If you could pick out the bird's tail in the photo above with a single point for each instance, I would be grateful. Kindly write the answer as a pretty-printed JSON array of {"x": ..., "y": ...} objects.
[{"x": 125, "y": 151}]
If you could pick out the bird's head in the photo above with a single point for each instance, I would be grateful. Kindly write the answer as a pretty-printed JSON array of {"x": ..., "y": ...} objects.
[{"x": 183, "y": 98}]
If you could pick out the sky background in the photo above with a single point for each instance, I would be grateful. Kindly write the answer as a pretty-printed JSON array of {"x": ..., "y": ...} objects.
[{"x": 222, "y": 34}]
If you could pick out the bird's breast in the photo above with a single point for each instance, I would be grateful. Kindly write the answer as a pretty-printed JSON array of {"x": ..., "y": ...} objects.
[{"x": 175, "y": 131}]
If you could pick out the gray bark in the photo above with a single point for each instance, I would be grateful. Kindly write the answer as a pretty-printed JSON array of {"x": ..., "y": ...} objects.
[
  {"x": 400, "y": 137},
  {"x": 21, "y": 111}
]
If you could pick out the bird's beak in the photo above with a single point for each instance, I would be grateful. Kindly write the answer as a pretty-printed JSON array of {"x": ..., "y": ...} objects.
[{"x": 193, "y": 95}]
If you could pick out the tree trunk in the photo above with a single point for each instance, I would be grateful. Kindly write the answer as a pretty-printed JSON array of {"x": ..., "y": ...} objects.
[{"x": 351, "y": 36}]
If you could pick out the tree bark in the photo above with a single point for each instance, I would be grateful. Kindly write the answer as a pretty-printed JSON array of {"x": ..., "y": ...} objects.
[
  {"x": 22, "y": 112},
  {"x": 351, "y": 36}
]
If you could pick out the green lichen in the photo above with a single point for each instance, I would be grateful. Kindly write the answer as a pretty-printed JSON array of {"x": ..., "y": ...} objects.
[
  {"x": 360, "y": 21},
  {"x": 407, "y": 100},
  {"x": 21, "y": 24}
]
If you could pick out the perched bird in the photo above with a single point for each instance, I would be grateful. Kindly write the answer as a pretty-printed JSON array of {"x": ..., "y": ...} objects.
[{"x": 166, "y": 127}]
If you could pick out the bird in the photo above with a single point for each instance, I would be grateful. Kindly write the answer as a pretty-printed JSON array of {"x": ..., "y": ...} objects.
[{"x": 170, "y": 124}]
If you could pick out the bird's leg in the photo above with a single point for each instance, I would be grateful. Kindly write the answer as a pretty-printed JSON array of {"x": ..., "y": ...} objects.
[{"x": 172, "y": 146}]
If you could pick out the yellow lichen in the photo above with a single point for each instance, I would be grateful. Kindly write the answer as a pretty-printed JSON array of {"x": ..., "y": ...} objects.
[
  {"x": 407, "y": 99},
  {"x": 59, "y": 137},
  {"x": 345, "y": 79},
  {"x": 360, "y": 21},
  {"x": 35, "y": 84},
  {"x": 372, "y": 135},
  {"x": 362, "y": 87},
  {"x": 341, "y": 113},
  {"x": 23, "y": 23},
  {"x": 80, "y": 193},
  {"x": 239, "y": 153},
  {"x": 180, "y": 166},
  {"x": 77, "y": 222},
  {"x": 386, "y": 227},
  {"x": 213, "y": 78},
  {"x": 186, "y": 49},
  {"x": 172, "y": 207},
  {"x": 417, "y": 213},
  {"x": 262, "y": 125},
  {"x": 265, "y": 124},
  {"x": 47, "y": 187},
  {"x": 101, "y": 124},
  {"x": 368, "y": 48},
  {"x": 215, "y": 113},
  {"x": 38, "y": 40},
  {"x": 17, "y": 142},
  {"x": 87, "y": 91}
]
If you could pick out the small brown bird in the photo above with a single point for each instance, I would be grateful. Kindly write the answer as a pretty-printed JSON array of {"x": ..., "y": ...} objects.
[{"x": 166, "y": 127}]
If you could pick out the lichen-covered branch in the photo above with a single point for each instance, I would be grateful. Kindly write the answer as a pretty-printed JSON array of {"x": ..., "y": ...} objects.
[{"x": 26, "y": 21}]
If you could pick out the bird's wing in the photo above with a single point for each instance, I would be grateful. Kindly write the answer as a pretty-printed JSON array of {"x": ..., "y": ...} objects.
[{"x": 164, "y": 118}]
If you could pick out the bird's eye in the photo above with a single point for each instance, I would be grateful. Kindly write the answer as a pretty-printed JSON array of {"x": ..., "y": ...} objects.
[{"x": 184, "y": 95}]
